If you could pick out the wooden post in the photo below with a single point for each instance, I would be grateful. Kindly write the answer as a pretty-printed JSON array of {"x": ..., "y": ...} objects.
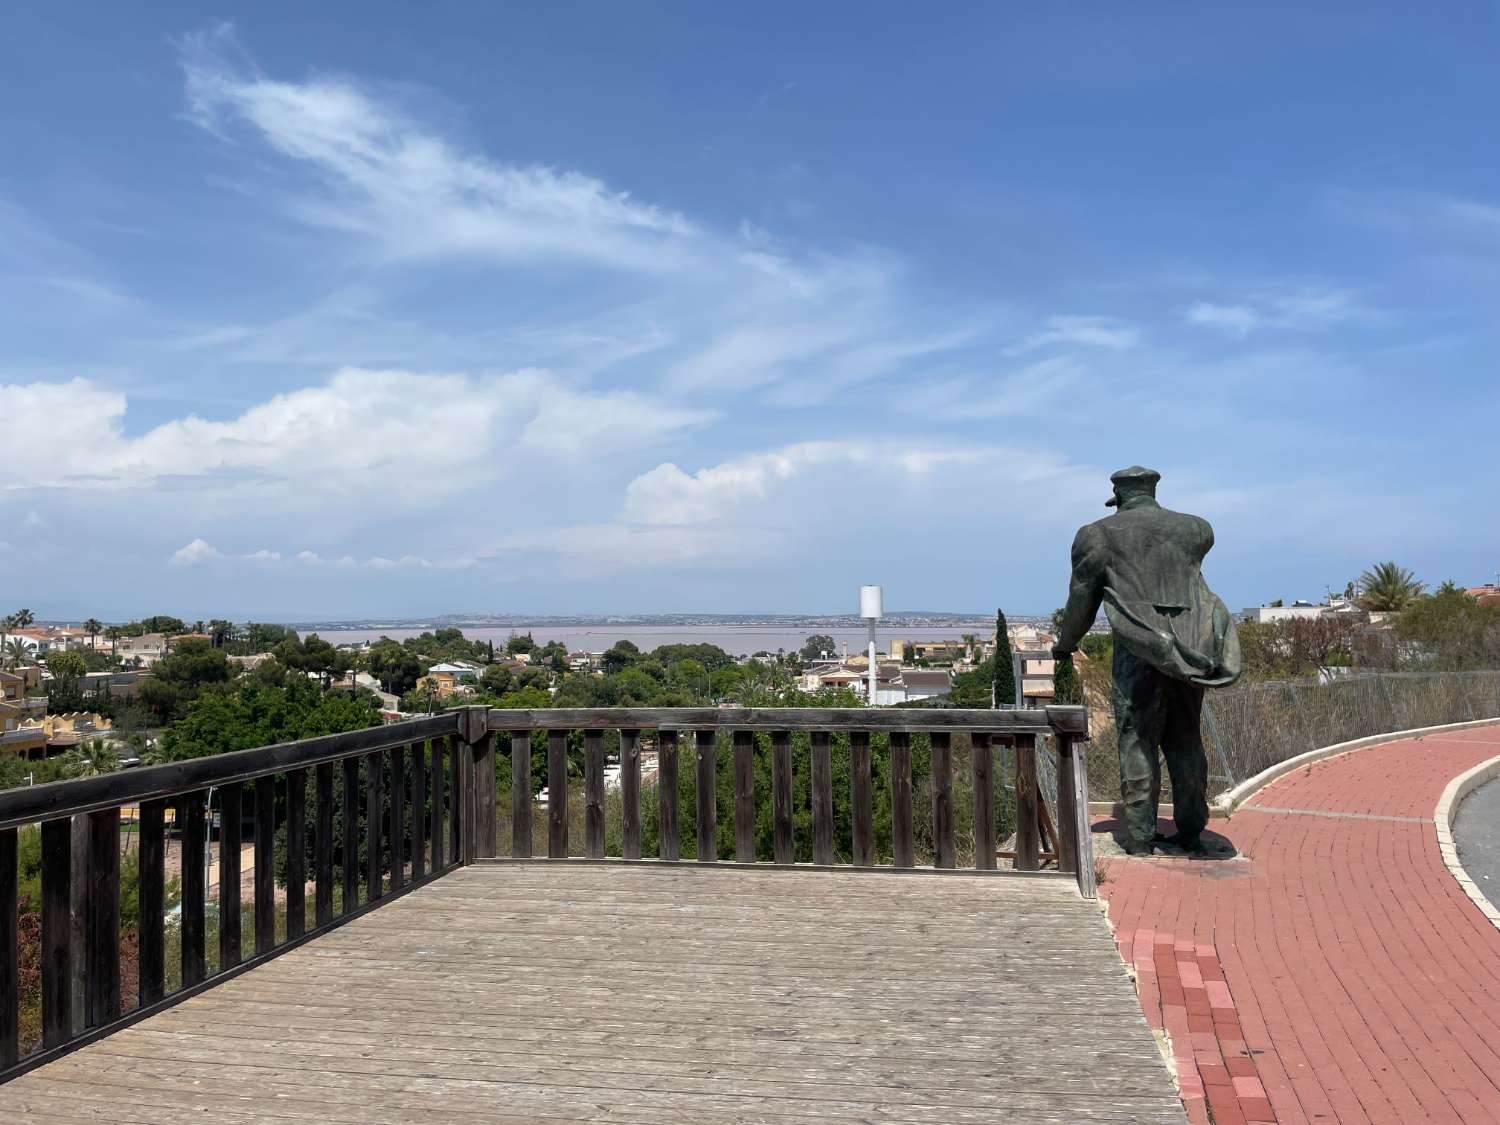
[
  {"x": 983, "y": 764},
  {"x": 57, "y": 926},
  {"x": 435, "y": 766},
  {"x": 903, "y": 852},
  {"x": 323, "y": 844},
  {"x": 668, "y": 846},
  {"x": 460, "y": 790},
  {"x": 231, "y": 809},
  {"x": 744, "y": 796},
  {"x": 520, "y": 793},
  {"x": 944, "y": 852},
  {"x": 1028, "y": 846},
  {"x": 151, "y": 902},
  {"x": 374, "y": 814},
  {"x": 630, "y": 793},
  {"x": 1082, "y": 831},
  {"x": 1067, "y": 815},
  {"x": 479, "y": 778},
  {"x": 593, "y": 794},
  {"x": 418, "y": 810},
  {"x": 265, "y": 875},
  {"x": 10, "y": 967},
  {"x": 350, "y": 847},
  {"x": 397, "y": 829},
  {"x": 192, "y": 823},
  {"x": 822, "y": 798},
  {"x": 781, "y": 797},
  {"x": 296, "y": 853},
  {"x": 103, "y": 959},
  {"x": 707, "y": 807},
  {"x": 862, "y": 799},
  {"x": 557, "y": 794}
]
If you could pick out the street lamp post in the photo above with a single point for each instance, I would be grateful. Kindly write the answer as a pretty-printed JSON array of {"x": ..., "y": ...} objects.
[{"x": 870, "y": 609}]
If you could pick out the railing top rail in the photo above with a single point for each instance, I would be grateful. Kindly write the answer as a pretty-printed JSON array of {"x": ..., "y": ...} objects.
[
  {"x": 66, "y": 798},
  {"x": 1065, "y": 720}
]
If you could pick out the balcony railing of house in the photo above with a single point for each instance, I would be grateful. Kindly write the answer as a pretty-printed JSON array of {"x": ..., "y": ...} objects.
[{"x": 421, "y": 801}]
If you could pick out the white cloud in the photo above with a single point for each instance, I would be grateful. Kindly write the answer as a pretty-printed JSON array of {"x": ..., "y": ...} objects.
[
  {"x": 1303, "y": 310},
  {"x": 1236, "y": 320},
  {"x": 1081, "y": 331},
  {"x": 198, "y": 551},
  {"x": 264, "y": 556},
  {"x": 310, "y": 557}
]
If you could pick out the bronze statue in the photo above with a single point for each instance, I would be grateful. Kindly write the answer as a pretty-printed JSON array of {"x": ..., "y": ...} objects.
[{"x": 1173, "y": 639}]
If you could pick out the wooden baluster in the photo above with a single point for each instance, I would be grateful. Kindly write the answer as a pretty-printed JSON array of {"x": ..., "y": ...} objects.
[
  {"x": 557, "y": 794},
  {"x": 435, "y": 766},
  {"x": 10, "y": 965},
  {"x": 418, "y": 810},
  {"x": 397, "y": 833},
  {"x": 630, "y": 793},
  {"x": 193, "y": 824},
  {"x": 744, "y": 796},
  {"x": 708, "y": 797},
  {"x": 593, "y": 794},
  {"x": 231, "y": 810},
  {"x": 350, "y": 883},
  {"x": 668, "y": 846},
  {"x": 1028, "y": 845},
  {"x": 374, "y": 815},
  {"x": 822, "y": 798},
  {"x": 460, "y": 790},
  {"x": 57, "y": 924},
  {"x": 323, "y": 844},
  {"x": 1082, "y": 833},
  {"x": 151, "y": 875},
  {"x": 487, "y": 827},
  {"x": 781, "y": 797},
  {"x": 984, "y": 802},
  {"x": 944, "y": 853},
  {"x": 296, "y": 853},
  {"x": 903, "y": 850},
  {"x": 1067, "y": 818},
  {"x": 861, "y": 799},
  {"x": 520, "y": 793},
  {"x": 265, "y": 864},
  {"x": 102, "y": 1005}
]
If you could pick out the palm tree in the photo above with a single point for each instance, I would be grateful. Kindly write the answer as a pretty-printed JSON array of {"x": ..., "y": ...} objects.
[
  {"x": 15, "y": 652},
  {"x": 198, "y": 625},
  {"x": 220, "y": 632},
  {"x": 23, "y": 618},
  {"x": 93, "y": 627},
  {"x": 90, "y": 759},
  {"x": 113, "y": 635},
  {"x": 1387, "y": 587}
]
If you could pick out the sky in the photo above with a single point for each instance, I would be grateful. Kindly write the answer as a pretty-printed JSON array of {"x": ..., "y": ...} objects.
[{"x": 381, "y": 310}]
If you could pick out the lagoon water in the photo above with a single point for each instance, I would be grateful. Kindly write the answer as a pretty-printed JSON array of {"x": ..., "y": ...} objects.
[{"x": 739, "y": 640}]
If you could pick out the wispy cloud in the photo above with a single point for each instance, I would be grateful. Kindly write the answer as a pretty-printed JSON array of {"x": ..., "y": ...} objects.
[
  {"x": 1302, "y": 310},
  {"x": 1080, "y": 331}
]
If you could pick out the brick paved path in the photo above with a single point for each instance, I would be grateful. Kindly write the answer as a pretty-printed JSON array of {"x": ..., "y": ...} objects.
[{"x": 1334, "y": 972}]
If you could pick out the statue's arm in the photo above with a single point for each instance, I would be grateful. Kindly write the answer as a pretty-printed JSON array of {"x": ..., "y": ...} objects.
[{"x": 1085, "y": 590}]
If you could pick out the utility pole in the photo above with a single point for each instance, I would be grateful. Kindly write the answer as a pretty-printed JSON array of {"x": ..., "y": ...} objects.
[{"x": 870, "y": 609}]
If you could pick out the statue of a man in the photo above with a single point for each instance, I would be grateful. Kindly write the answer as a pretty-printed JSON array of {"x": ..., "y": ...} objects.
[{"x": 1173, "y": 638}]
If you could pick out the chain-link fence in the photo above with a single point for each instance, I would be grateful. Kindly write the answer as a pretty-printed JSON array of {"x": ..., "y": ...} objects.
[{"x": 1251, "y": 727}]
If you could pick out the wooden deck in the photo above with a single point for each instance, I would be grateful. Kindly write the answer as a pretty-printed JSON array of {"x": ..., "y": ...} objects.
[{"x": 512, "y": 992}]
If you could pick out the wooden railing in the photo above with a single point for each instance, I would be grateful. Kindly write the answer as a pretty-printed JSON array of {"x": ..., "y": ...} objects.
[{"x": 417, "y": 799}]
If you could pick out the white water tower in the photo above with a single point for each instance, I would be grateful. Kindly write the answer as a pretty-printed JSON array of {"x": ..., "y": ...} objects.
[{"x": 870, "y": 609}]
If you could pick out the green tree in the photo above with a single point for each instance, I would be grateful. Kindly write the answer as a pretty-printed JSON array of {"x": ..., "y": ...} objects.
[
  {"x": 67, "y": 667},
  {"x": 90, "y": 759},
  {"x": 220, "y": 632},
  {"x": 395, "y": 668},
  {"x": 1066, "y": 686},
  {"x": 522, "y": 642},
  {"x": 162, "y": 623},
  {"x": 1004, "y": 677},
  {"x": 818, "y": 646},
  {"x": 93, "y": 627},
  {"x": 1388, "y": 587},
  {"x": 181, "y": 676},
  {"x": 1451, "y": 630},
  {"x": 495, "y": 679},
  {"x": 619, "y": 657},
  {"x": 23, "y": 619}
]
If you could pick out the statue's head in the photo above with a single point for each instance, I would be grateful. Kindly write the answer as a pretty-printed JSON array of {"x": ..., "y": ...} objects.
[{"x": 1132, "y": 482}]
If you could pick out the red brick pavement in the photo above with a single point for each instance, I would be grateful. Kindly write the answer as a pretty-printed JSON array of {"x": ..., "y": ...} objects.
[{"x": 1334, "y": 972}]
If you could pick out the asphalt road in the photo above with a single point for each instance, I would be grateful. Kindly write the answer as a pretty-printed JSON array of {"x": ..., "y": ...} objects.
[{"x": 1477, "y": 833}]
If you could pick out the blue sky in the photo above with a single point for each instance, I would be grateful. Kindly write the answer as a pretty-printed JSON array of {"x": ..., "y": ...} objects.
[{"x": 373, "y": 310}]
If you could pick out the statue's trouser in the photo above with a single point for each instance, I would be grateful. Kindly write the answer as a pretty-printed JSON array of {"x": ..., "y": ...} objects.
[{"x": 1154, "y": 710}]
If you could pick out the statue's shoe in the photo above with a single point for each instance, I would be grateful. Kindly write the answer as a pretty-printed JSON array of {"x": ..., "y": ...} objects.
[{"x": 1133, "y": 847}]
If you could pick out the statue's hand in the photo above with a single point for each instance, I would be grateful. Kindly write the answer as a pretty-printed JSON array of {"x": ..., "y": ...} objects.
[{"x": 1060, "y": 653}]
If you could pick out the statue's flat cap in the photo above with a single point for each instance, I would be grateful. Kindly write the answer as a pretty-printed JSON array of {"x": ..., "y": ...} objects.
[{"x": 1137, "y": 475}]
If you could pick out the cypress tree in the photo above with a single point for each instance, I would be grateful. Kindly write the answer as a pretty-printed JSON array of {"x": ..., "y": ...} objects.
[
  {"x": 1005, "y": 679},
  {"x": 1066, "y": 686}
]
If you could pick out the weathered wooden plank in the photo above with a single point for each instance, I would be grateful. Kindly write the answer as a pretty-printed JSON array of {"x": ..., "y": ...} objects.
[
  {"x": 349, "y": 845},
  {"x": 861, "y": 799},
  {"x": 57, "y": 924},
  {"x": 520, "y": 793},
  {"x": 231, "y": 811},
  {"x": 794, "y": 718},
  {"x": 151, "y": 943},
  {"x": 265, "y": 864},
  {"x": 102, "y": 1003},
  {"x": 942, "y": 800},
  {"x": 296, "y": 853},
  {"x": 1028, "y": 842},
  {"x": 706, "y": 810},
  {"x": 822, "y": 797},
  {"x": 79, "y": 938},
  {"x": 593, "y": 794},
  {"x": 1082, "y": 830},
  {"x": 903, "y": 849},
  {"x": 31, "y": 803},
  {"x": 397, "y": 830},
  {"x": 781, "y": 797},
  {"x": 668, "y": 846},
  {"x": 1067, "y": 818},
  {"x": 557, "y": 793},
  {"x": 630, "y": 793},
  {"x": 744, "y": 796},
  {"x": 192, "y": 822},
  {"x": 374, "y": 816},
  {"x": 323, "y": 844},
  {"x": 417, "y": 771},
  {"x": 10, "y": 976},
  {"x": 487, "y": 826},
  {"x": 983, "y": 769},
  {"x": 435, "y": 753},
  {"x": 460, "y": 790}
]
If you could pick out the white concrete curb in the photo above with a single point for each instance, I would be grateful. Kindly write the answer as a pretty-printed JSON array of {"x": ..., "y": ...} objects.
[
  {"x": 1228, "y": 802},
  {"x": 1443, "y": 818}
]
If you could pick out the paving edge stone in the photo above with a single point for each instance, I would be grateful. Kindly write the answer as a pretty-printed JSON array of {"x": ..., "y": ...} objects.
[{"x": 1443, "y": 818}]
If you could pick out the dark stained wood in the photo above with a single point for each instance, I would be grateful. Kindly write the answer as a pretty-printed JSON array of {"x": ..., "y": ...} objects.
[
  {"x": 861, "y": 799},
  {"x": 706, "y": 809},
  {"x": 912, "y": 720},
  {"x": 80, "y": 920},
  {"x": 520, "y": 793},
  {"x": 668, "y": 846},
  {"x": 28, "y": 804},
  {"x": 296, "y": 853},
  {"x": 397, "y": 833},
  {"x": 323, "y": 844},
  {"x": 945, "y": 854},
  {"x": 630, "y": 793},
  {"x": 1067, "y": 820},
  {"x": 983, "y": 768},
  {"x": 265, "y": 864},
  {"x": 193, "y": 826},
  {"x": 781, "y": 797},
  {"x": 102, "y": 1002},
  {"x": 460, "y": 789},
  {"x": 10, "y": 977},
  {"x": 231, "y": 808},
  {"x": 374, "y": 815},
  {"x": 435, "y": 769},
  {"x": 822, "y": 798},
  {"x": 1028, "y": 844},
  {"x": 349, "y": 845},
  {"x": 487, "y": 826},
  {"x": 903, "y": 849},
  {"x": 744, "y": 796},
  {"x": 557, "y": 794},
  {"x": 1082, "y": 832},
  {"x": 1047, "y": 832},
  {"x": 57, "y": 921},
  {"x": 418, "y": 773},
  {"x": 593, "y": 794},
  {"x": 151, "y": 943}
]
